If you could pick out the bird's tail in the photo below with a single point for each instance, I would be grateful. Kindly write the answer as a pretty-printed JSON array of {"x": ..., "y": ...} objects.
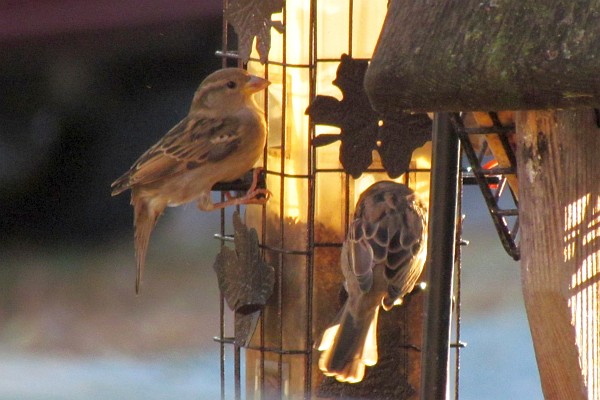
[
  {"x": 145, "y": 217},
  {"x": 350, "y": 345}
]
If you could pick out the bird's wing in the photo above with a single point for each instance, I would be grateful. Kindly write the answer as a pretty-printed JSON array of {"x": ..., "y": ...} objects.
[
  {"x": 405, "y": 251},
  {"x": 188, "y": 145},
  {"x": 388, "y": 230},
  {"x": 360, "y": 256}
]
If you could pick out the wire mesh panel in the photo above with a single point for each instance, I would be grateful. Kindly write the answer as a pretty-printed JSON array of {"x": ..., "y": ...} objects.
[{"x": 301, "y": 228}]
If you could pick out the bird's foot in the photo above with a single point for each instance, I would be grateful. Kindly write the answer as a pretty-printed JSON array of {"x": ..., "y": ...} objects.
[
  {"x": 252, "y": 189},
  {"x": 252, "y": 196},
  {"x": 257, "y": 196},
  {"x": 255, "y": 174}
]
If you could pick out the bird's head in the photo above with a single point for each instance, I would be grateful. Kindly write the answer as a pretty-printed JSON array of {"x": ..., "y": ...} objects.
[{"x": 227, "y": 89}]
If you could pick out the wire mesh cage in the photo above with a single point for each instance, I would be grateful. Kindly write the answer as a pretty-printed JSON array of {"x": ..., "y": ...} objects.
[{"x": 303, "y": 225}]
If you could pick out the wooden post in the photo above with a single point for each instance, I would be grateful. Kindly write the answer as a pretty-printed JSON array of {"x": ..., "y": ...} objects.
[{"x": 558, "y": 154}]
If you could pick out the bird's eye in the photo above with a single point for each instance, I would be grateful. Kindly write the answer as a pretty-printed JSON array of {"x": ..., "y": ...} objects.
[{"x": 231, "y": 85}]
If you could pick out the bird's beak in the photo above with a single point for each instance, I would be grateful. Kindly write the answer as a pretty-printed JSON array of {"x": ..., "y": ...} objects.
[{"x": 256, "y": 84}]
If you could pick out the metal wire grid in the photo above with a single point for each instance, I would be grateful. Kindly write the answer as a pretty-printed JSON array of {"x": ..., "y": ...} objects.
[{"x": 230, "y": 58}]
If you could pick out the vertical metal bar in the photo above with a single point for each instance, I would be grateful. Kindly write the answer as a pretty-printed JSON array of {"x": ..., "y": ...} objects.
[
  {"x": 311, "y": 162},
  {"x": 440, "y": 262},
  {"x": 222, "y": 314},
  {"x": 237, "y": 372},
  {"x": 282, "y": 209},
  {"x": 224, "y": 40},
  {"x": 261, "y": 366},
  {"x": 224, "y": 44},
  {"x": 264, "y": 225},
  {"x": 236, "y": 358},
  {"x": 457, "y": 302},
  {"x": 348, "y": 192},
  {"x": 350, "y": 25}
]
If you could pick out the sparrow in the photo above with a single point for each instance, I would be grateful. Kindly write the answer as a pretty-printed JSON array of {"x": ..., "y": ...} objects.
[
  {"x": 381, "y": 259},
  {"x": 220, "y": 139}
]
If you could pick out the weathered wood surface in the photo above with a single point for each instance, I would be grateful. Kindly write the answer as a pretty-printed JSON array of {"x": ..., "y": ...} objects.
[
  {"x": 559, "y": 178},
  {"x": 473, "y": 55}
]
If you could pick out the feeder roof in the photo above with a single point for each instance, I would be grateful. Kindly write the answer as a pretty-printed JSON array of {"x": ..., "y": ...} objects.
[{"x": 467, "y": 55}]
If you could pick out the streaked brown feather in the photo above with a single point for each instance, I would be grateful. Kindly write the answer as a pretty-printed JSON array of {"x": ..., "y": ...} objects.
[
  {"x": 381, "y": 260},
  {"x": 220, "y": 139},
  {"x": 189, "y": 144},
  {"x": 391, "y": 224}
]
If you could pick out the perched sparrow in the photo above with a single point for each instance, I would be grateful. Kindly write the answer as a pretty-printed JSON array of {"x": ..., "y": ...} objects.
[
  {"x": 381, "y": 259},
  {"x": 219, "y": 140}
]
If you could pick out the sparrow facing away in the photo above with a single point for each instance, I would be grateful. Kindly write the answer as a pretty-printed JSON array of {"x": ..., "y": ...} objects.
[
  {"x": 382, "y": 258},
  {"x": 219, "y": 140}
]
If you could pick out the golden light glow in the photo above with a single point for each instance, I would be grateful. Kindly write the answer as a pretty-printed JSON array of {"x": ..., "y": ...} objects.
[
  {"x": 418, "y": 181},
  {"x": 332, "y": 27},
  {"x": 585, "y": 318},
  {"x": 298, "y": 69},
  {"x": 370, "y": 352},
  {"x": 574, "y": 215},
  {"x": 332, "y": 40},
  {"x": 328, "y": 337},
  {"x": 368, "y": 19},
  {"x": 593, "y": 226},
  {"x": 355, "y": 375},
  {"x": 361, "y": 184},
  {"x": 581, "y": 227}
]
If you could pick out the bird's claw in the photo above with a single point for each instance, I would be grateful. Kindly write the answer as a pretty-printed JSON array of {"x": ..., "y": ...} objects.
[{"x": 258, "y": 196}]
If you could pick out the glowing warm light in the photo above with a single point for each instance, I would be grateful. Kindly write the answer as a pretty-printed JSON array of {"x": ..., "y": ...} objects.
[
  {"x": 370, "y": 353},
  {"x": 418, "y": 181},
  {"x": 574, "y": 216},
  {"x": 581, "y": 227},
  {"x": 328, "y": 337},
  {"x": 585, "y": 318},
  {"x": 593, "y": 226},
  {"x": 332, "y": 40},
  {"x": 361, "y": 184},
  {"x": 303, "y": 61}
]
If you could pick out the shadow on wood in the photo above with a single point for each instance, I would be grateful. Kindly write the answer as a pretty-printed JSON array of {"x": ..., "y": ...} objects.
[{"x": 558, "y": 162}]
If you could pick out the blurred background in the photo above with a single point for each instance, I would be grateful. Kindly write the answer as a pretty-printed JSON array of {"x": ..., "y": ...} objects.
[{"x": 86, "y": 88}]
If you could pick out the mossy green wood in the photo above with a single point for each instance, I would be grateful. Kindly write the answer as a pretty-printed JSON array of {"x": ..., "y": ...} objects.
[{"x": 460, "y": 55}]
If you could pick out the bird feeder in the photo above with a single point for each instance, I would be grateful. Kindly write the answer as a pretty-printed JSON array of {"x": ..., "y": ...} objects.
[{"x": 325, "y": 146}]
